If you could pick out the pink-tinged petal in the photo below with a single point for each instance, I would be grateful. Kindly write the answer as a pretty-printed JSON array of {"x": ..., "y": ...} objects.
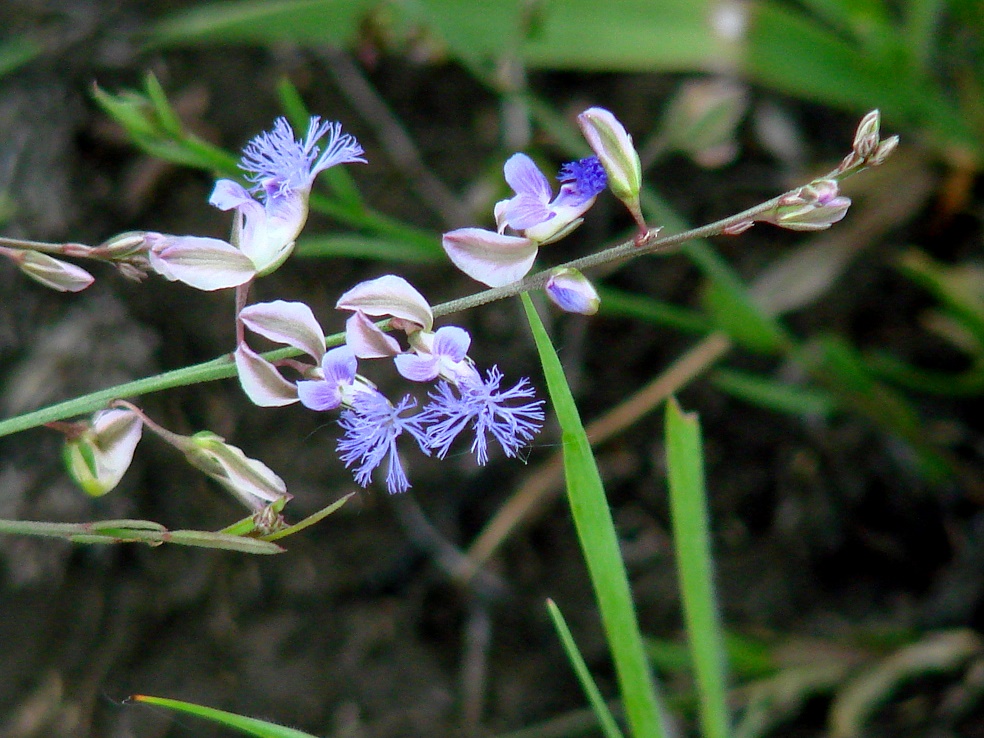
[
  {"x": 489, "y": 257},
  {"x": 367, "y": 340},
  {"x": 526, "y": 211},
  {"x": 526, "y": 178},
  {"x": 292, "y": 323},
  {"x": 204, "y": 263},
  {"x": 228, "y": 195},
  {"x": 451, "y": 341},
  {"x": 319, "y": 394},
  {"x": 389, "y": 295},
  {"x": 261, "y": 381},
  {"x": 417, "y": 368},
  {"x": 269, "y": 240}
]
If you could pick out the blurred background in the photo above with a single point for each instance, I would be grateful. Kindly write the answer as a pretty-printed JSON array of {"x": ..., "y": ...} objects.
[{"x": 838, "y": 376}]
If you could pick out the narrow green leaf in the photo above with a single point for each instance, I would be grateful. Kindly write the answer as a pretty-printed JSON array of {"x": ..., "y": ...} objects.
[
  {"x": 733, "y": 311},
  {"x": 605, "y": 718},
  {"x": 620, "y": 303},
  {"x": 246, "y": 725},
  {"x": 692, "y": 542},
  {"x": 772, "y": 394},
  {"x": 16, "y": 52},
  {"x": 264, "y": 22},
  {"x": 354, "y": 246},
  {"x": 599, "y": 543}
]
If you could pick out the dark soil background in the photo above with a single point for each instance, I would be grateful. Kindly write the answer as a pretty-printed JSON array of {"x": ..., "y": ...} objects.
[{"x": 828, "y": 540}]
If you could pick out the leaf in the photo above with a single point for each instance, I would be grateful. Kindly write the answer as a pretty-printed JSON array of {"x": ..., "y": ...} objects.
[
  {"x": 599, "y": 543},
  {"x": 605, "y": 720},
  {"x": 774, "y": 395},
  {"x": 247, "y": 725}
]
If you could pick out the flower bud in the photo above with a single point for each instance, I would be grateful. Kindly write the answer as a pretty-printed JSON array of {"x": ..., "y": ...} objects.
[
  {"x": 884, "y": 150},
  {"x": 614, "y": 149},
  {"x": 100, "y": 455},
  {"x": 58, "y": 275},
  {"x": 252, "y": 481},
  {"x": 814, "y": 207},
  {"x": 571, "y": 291},
  {"x": 866, "y": 137}
]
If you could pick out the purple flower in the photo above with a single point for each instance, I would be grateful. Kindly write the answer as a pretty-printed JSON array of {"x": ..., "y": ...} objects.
[
  {"x": 282, "y": 170},
  {"x": 497, "y": 259},
  {"x": 279, "y": 166},
  {"x": 339, "y": 367},
  {"x": 531, "y": 210},
  {"x": 371, "y": 427},
  {"x": 481, "y": 405}
]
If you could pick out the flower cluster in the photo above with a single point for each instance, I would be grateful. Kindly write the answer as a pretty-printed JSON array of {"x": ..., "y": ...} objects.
[
  {"x": 462, "y": 400},
  {"x": 268, "y": 216}
]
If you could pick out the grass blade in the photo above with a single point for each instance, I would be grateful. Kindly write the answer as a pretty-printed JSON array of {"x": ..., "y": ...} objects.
[
  {"x": 599, "y": 543},
  {"x": 605, "y": 719},
  {"x": 691, "y": 539}
]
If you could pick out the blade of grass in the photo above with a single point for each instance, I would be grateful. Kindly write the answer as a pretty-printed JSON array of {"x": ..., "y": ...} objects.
[
  {"x": 605, "y": 718},
  {"x": 691, "y": 539},
  {"x": 599, "y": 542},
  {"x": 247, "y": 725}
]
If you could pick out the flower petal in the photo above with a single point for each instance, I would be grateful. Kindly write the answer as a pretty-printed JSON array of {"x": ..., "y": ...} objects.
[
  {"x": 204, "y": 263},
  {"x": 292, "y": 323},
  {"x": 451, "y": 341},
  {"x": 261, "y": 381},
  {"x": 489, "y": 257},
  {"x": 526, "y": 178},
  {"x": 389, "y": 295},
  {"x": 367, "y": 340}
]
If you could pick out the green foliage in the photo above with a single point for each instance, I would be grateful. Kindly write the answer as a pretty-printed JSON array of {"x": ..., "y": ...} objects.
[{"x": 245, "y": 725}]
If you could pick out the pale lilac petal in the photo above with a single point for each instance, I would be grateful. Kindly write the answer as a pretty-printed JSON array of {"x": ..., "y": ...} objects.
[
  {"x": 261, "y": 381},
  {"x": 389, "y": 295},
  {"x": 367, "y": 340},
  {"x": 526, "y": 178},
  {"x": 451, "y": 341},
  {"x": 526, "y": 211},
  {"x": 418, "y": 368},
  {"x": 489, "y": 257},
  {"x": 319, "y": 395},
  {"x": 204, "y": 263},
  {"x": 291, "y": 323},
  {"x": 340, "y": 365},
  {"x": 228, "y": 195}
]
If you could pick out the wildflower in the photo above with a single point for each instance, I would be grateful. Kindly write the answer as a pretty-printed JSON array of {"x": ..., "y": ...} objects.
[
  {"x": 339, "y": 382},
  {"x": 532, "y": 212},
  {"x": 99, "y": 455},
  {"x": 497, "y": 259},
  {"x": 443, "y": 353},
  {"x": 480, "y": 404},
  {"x": 372, "y": 425},
  {"x": 571, "y": 291},
  {"x": 282, "y": 171}
]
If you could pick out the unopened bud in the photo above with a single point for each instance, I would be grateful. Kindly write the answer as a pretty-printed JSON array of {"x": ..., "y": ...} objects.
[
  {"x": 866, "y": 136},
  {"x": 99, "y": 456},
  {"x": 814, "y": 207},
  {"x": 884, "y": 150},
  {"x": 614, "y": 148},
  {"x": 124, "y": 245},
  {"x": 58, "y": 275},
  {"x": 571, "y": 291},
  {"x": 251, "y": 481}
]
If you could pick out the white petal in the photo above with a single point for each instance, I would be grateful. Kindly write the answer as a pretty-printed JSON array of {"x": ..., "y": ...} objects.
[
  {"x": 490, "y": 257},
  {"x": 389, "y": 295},
  {"x": 261, "y": 381},
  {"x": 292, "y": 323}
]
